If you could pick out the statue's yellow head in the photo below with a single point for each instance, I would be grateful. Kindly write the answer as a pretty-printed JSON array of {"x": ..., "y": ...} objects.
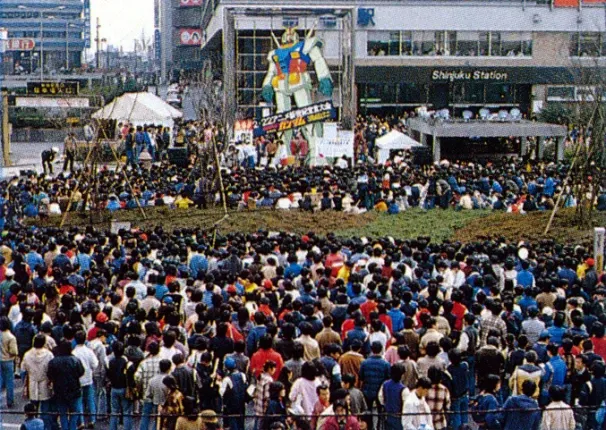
[{"x": 290, "y": 36}]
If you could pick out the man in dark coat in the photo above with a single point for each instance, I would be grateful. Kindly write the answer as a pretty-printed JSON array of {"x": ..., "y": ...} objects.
[{"x": 64, "y": 371}]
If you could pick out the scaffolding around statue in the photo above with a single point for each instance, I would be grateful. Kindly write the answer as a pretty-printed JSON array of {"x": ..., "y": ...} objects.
[{"x": 299, "y": 91}]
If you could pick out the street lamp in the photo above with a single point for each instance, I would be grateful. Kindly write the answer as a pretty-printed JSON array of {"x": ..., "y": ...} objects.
[{"x": 42, "y": 32}]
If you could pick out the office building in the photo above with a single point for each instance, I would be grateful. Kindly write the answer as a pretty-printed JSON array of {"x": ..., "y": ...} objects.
[
  {"x": 459, "y": 54},
  {"x": 60, "y": 29}
]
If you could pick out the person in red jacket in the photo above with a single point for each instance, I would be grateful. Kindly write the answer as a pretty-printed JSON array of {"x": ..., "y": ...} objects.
[
  {"x": 263, "y": 355},
  {"x": 599, "y": 342},
  {"x": 370, "y": 305}
]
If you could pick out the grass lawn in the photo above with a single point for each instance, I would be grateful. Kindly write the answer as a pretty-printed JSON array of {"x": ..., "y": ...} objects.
[{"x": 439, "y": 224}]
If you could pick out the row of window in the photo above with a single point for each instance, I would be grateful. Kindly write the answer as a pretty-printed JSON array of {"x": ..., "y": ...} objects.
[
  {"x": 449, "y": 43},
  {"x": 588, "y": 44},
  {"x": 462, "y": 93},
  {"x": 47, "y": 34}
]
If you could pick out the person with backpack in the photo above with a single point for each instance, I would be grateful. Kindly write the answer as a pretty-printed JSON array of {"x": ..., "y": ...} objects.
[
  {"x": 456, "y": 380},
  {"x": 117, "y": 373},
  {"x": 485, "y": 409},
  {"x": 468, "y": 342},
  {"x": 233, "y": 392},
  {"x": 154, "y": 394},
  {"x": 392, "y": 395},
  {"x": 593, "y": 393}
]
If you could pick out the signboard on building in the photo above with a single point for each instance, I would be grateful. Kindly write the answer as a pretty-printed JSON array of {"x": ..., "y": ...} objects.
[
  {"x": 190, "y": 36},
  {"x": 297, "y": 118},
  {"x": 49, "y": 102},
  {"x": 20, "y": 44},
  {"x": 53, "y": 88},
  {"x": 190, "y": 3}
]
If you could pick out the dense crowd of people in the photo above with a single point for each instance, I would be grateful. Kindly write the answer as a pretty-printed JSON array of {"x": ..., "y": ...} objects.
[
  {"x": 177, "y": 330},
  {"x": 504, "y": 185}
]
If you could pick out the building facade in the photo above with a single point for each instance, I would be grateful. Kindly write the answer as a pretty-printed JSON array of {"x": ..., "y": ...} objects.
[
  {"x": 460, "y": 54},
  {"x": 60, "y": 29}
]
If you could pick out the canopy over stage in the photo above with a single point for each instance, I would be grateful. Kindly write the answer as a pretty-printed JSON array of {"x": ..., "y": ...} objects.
[{"x": 438, "y": 128}]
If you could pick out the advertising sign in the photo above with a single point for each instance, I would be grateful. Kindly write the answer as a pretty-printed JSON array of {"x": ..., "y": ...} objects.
[
  {"x": 342, "y": 145},
  {"x": 53, "y": 88},
  {"x": 49, "y": 102},
  {"x": 190, "y": 36},
  {"x": 190, "y": 3},
  {"x": 243, "y": 130},
  {"x": 297, "y": 118},
  {"x": 157, "y": 45},
  {"x": 20, "y": 44}
]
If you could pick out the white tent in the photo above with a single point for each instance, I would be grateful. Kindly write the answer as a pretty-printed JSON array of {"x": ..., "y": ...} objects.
[
  {"x": 392, "y": 141},
  {"x": 139, "y": 109}
]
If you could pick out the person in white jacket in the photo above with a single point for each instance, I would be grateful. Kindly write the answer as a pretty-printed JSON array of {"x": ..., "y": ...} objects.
[
  {"x": 90, "y": 362},
  {"x": 416, "y": 410},
  {"x": 35, "y": 364},
  {"x": 558, "y": 415}
]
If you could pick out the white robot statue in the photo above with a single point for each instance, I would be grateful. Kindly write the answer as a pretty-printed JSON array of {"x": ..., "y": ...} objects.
[{"x": 288, "y": 77}]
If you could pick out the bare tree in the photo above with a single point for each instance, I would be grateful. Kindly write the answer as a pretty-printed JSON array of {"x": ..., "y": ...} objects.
[{"x": 588, "y": 155}]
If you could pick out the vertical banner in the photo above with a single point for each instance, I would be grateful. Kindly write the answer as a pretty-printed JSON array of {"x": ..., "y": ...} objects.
[{"x": 598, "y": 248}]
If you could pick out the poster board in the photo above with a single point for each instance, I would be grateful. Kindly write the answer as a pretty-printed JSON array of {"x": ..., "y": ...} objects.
[{"x": 342, "y": 145}]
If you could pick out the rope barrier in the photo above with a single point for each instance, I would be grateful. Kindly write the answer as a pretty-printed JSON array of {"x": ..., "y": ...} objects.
[{"x": 372, "y": 414}]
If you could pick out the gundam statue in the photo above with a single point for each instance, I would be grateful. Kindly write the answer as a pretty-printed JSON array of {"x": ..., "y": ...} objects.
[{"x": 288, "y": 77}]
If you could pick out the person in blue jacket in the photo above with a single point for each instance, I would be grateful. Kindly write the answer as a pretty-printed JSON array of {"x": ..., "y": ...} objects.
[
  {"x": 522, "y": 412},
  {"x": 486, "y": 412}
]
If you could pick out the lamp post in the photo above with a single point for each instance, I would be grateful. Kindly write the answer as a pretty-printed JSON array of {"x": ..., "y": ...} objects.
[{"x": 42, "y": 33}]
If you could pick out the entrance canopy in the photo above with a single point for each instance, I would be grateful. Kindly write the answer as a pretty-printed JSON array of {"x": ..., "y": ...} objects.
[
  {"x": 440, "y": 128},
  {"x": 394, "y": 140},
  {"x": 139, "y": 109}
]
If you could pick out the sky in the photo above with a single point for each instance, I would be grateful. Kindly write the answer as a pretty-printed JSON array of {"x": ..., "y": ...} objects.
[{"x": 122, "y": 21}]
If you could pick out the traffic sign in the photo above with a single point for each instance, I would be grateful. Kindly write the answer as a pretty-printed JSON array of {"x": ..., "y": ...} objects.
[{"x": 20, "y": 44}]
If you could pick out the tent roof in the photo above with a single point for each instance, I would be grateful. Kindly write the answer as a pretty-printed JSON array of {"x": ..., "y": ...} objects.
[
  {"x": 138, "y": 107},
  {"x": 396, "y": 140}
]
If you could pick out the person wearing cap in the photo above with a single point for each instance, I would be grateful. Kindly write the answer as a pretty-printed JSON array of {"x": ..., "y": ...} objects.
[
  {"x": 233, "y": 392},
  {"x": 48, "y": 157}
]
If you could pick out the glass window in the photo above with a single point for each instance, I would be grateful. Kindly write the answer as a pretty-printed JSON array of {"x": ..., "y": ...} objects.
[
  {"x": 380, "y": 93},
  {"x": 467, "y": 43},
  {"x": 484, "y": 41},
  {"x": 412, "y": 93},
  {"x": 406, "y": 46},
  {"x": 465, "y": 92},
  {"x": 499, "y": 93},
  {"x": 589, "y": 45},
  {"x": 516, "y": 44},
  {"x": 423, "y": 43},
  {"x": 445, "y": 42},
  {"x": 382, "y": 43},
  {"x": 495, "y": 44}
]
